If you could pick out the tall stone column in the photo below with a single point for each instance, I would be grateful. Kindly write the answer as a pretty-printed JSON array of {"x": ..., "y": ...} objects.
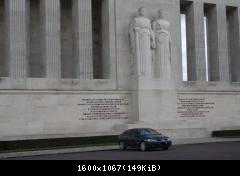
[
  {"x": 222, "y": 43},
  {"x": 17, "y": 40},
  {"x": 51, "y": 34},
  {"x": 83, "y": 50},
  {"x": 195, "y": 42},
  {"x": 237, "y": 40},
  {"x": 199, "y": 41},
  {"x": 233, "y": 27}
]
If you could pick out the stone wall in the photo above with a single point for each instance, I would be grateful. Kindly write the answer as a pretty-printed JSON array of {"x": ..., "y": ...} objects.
[{"x": 49, "y": 114}]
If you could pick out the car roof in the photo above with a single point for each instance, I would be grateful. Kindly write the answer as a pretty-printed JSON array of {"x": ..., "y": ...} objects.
[{"x": 139, "y": 129}]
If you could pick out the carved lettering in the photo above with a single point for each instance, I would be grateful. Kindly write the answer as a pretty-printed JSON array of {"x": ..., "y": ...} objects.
[
  {"x": 194, "y": 107},
  {"x": 104, "y": 108}
]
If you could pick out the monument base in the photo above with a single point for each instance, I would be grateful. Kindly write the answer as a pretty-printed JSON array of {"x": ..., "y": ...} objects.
[{"x": 187, "y": 114}]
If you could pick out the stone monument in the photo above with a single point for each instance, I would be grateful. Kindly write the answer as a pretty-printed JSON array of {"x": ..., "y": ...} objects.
[
  {"x": 162, "y": 60},
  {"x": 141, "y": 42},
  {"x": 151, "y": 51}
]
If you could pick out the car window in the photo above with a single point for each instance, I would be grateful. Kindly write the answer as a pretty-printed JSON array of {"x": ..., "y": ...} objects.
[
  {"x": 126, "y": 132},
  {"x": 134, "y": 133},
  {"x": 149, "y": 132}
]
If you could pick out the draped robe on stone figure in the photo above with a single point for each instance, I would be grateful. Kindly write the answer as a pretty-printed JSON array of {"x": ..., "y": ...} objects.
[
  {"x": 162, "y": 61},
  {"x": 141, "y": 36}
]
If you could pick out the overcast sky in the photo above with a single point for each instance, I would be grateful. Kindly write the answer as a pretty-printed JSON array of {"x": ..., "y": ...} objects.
[{"x": 184, "y": 47}]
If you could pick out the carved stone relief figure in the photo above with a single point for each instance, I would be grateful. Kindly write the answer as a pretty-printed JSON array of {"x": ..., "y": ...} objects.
[
  {"x": 162, "y": 60},
  {"x": 141, "y": 41}
]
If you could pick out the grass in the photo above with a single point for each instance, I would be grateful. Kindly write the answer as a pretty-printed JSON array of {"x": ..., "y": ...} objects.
[
  {"x": 55, "y": 148},
  {"x": 227, "y": 133},
  {"x": 53, "y": 144}
]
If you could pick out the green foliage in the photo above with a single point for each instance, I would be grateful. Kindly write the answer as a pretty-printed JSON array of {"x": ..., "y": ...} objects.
[
  {"x": 226, "y": 133},
  {"x": 45, "y": 144}
]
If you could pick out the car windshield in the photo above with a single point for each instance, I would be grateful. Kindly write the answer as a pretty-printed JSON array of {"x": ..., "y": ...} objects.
[{"x": 149, "y": 132}]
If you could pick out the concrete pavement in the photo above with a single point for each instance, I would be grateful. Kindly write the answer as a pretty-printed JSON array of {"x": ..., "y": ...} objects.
[{"x": 111, "y": 147}]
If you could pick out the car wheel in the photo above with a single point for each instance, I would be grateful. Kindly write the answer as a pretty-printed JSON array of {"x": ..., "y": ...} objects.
[
  {"x": 143, "y": 147},
  {"x": 122, "y": 146}
]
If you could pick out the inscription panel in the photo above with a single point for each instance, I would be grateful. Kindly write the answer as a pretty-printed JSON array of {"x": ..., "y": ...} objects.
[
  {"x": 99, "y": 108},
  {"x": 195, "y": 107}
]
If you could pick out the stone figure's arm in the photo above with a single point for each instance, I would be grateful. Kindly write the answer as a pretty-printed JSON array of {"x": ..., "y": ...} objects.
[
  {"x": 132, "y": 37},
  {"x": 153, "y": 41},
  {"x": 154, "y": 26},
  {"x": 153, "y": 33},
  {"x": 170, "y": 47}
]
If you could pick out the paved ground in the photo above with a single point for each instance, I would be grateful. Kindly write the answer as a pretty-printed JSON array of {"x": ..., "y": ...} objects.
[{"x": 208, "y": 151}]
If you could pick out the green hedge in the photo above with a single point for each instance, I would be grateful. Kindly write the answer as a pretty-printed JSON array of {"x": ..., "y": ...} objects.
[
  {"x": 226, "y": 133},
  {"x": 42, "y": 144}
]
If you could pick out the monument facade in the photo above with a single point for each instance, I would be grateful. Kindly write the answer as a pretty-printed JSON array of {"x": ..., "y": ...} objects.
[{"x": 72, "y": 68}]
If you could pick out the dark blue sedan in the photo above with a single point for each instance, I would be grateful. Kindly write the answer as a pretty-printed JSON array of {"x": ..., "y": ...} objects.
[{"x": 144, "y": 139}]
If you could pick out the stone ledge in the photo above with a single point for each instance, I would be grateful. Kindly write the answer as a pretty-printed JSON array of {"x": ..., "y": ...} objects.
[{"x": 57, "y": 92}]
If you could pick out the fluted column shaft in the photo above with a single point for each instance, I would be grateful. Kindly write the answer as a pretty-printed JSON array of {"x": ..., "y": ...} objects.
[
  {"x": 17, "y": 38},
  {"x": 199, "y": 41},
  {"x": 222, "y": 43},
  {"x": 82, "y": 24},
  {"x": 52, "y": 45}
]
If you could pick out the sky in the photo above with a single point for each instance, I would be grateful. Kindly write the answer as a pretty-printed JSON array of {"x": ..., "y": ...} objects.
[{"x": 184, "y": 47}]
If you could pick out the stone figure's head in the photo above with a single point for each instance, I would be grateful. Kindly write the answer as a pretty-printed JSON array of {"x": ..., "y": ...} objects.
[
  {"x": 160, "y": 13},
  {"x": 142, "y": 11}
]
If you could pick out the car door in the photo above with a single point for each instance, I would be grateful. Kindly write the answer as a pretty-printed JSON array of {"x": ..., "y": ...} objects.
[
  {"x": 134, "y": 138},
  {"x": 125, "y": 137},
  {"x": 137, "y": 138}
]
